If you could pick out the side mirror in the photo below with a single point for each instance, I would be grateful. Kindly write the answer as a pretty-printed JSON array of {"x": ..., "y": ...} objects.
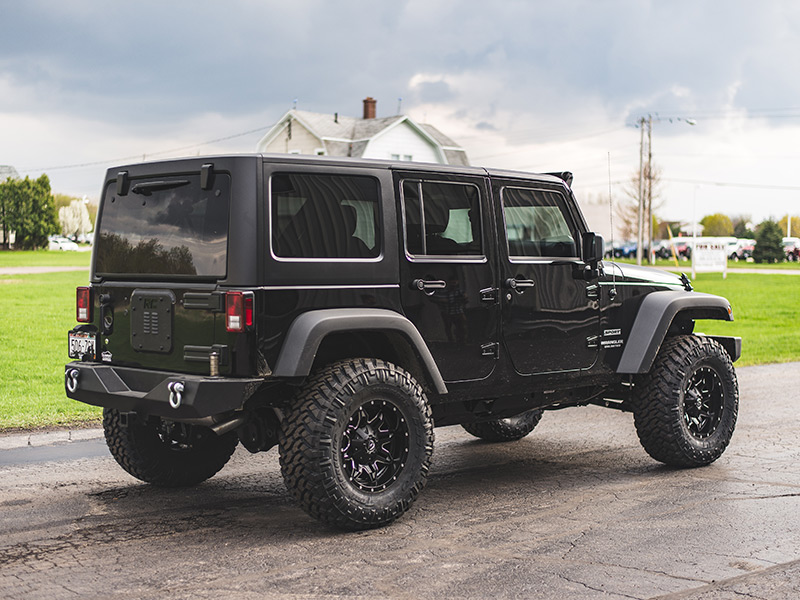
[
  {"x": 593, "y": 248},
  {"x": 593, "y": 251}
]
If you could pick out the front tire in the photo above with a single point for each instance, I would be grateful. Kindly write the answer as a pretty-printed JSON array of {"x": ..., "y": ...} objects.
[
  {"x": 505, "y": 430},
  {"x": 685, "y": 409},
  {"x": 356, "y": 447},
  {"x": 165, "y": 453}
]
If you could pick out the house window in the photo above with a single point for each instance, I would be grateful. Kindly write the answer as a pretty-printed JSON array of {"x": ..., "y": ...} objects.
[
  {"x": 408, "y": 157},
  {"x": 395, "y": 157}
]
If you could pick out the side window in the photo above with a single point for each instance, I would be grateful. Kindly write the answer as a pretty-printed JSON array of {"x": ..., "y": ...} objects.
[
  {"x": 442, "y": 218},
  {"x": 324, "y": 216},
  {"x": 536, "y": 224}
]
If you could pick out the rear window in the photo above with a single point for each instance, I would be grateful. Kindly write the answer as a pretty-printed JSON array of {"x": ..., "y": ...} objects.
[{"x": 165, "y": 226}]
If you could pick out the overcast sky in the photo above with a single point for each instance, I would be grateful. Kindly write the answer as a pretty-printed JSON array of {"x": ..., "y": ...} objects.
[{"x": 535, "y": 85}]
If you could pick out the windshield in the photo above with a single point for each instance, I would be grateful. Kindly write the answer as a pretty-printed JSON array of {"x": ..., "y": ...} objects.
[{"x": 168, "y": 226}]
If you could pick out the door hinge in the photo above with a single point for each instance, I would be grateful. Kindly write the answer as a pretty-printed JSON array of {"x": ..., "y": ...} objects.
[
  {"x": 489, "y": 295},
  {"x": 592, "y": 341},
  {"x": 593, "y": 291},
  {"x": 492, "y": 350}
]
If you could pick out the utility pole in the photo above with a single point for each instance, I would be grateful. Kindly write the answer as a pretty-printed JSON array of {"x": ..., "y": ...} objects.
[
  {"x": 650, "y": 189},
  {"x": 640, "y": 209}
]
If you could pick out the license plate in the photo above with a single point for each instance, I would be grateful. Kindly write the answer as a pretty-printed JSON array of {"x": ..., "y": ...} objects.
[{"x": 81, "y": 344}]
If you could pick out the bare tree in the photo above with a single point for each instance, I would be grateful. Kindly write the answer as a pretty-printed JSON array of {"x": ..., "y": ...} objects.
[{"x": 627, "y": 211}]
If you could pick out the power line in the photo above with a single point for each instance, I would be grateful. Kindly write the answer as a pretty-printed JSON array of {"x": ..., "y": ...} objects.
[
  {"x": 136, "y": 156},
  {"x": 757, "y": 186}
]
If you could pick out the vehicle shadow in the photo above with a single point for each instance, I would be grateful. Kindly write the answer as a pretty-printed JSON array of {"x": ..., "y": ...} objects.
[{"x": 250, "y": 501}]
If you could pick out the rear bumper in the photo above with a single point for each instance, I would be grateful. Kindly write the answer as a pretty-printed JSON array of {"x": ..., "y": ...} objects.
[{"x": 172, "y": 395}]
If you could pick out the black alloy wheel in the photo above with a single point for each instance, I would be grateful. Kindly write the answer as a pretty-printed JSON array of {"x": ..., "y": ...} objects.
[
  {"x": 374, "y": 445},
  {"x": 703, "y": 402}
]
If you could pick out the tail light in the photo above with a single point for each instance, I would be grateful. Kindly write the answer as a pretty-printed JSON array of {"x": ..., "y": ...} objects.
[
  {"x": 238, "y": 311},
  {"x": 83, "y": 304}
]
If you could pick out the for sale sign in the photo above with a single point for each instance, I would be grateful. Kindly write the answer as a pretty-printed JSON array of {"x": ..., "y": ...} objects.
[{"x": 710, "y": 256}]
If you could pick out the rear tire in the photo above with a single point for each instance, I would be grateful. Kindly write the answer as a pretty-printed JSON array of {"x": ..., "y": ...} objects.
[
  {"x": 166, "y": 453},
  {"x": 356, "y": 447},
  {"x": 685, "y": 409},
  {"x": 505, "y": 430}
]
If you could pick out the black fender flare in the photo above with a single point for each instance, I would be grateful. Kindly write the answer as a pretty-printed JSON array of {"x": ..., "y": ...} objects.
[
  {"x": 307, "y": 331},
  {"x": 654, "y": 317}
]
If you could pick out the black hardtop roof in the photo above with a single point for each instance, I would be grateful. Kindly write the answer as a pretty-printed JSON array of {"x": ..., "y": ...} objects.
[{"x": 194, "y": 162}]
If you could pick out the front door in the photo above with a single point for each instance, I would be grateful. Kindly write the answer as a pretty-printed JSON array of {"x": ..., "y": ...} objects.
[
  {"x": 448, "y": 273},
  {"x": 550, "y": 316}
]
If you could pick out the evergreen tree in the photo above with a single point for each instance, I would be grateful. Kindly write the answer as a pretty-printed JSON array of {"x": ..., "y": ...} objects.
[{"x": 769, "y": 243}]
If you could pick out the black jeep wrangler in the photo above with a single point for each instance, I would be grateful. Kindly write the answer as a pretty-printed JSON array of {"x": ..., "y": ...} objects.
[{"x": 340, "y": 309}]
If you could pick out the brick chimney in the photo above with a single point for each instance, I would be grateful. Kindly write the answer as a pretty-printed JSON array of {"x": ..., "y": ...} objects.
[{"x": 369, "y": 107}]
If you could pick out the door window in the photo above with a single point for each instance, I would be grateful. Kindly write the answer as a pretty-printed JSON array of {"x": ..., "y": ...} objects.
[
  {"x": 537, "y": 224},
  {"x": 442, "y": 219}
]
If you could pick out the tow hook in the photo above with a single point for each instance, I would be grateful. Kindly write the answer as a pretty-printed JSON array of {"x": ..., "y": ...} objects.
[
  {"x": 72, "y": 380},
  {"x": 175, "y": 393}
]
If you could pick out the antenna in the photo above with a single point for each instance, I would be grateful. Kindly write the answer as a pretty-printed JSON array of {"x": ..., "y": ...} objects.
[{"x": 612, "y": 293}]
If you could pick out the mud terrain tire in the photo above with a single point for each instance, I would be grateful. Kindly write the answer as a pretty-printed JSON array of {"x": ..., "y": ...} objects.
[
  {"x": 685, "y": 409},
  {"x": 356, "y": 447},
  {"x": 167, "y": 454},
  {"x": 505, "y": 430}
]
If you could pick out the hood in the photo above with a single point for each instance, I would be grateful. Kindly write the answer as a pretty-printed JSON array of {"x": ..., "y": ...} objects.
[{"x": 635, "y": 273}]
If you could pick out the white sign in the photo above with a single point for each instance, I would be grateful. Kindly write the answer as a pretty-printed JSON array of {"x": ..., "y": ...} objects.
[{"x": 709, "y": 256}]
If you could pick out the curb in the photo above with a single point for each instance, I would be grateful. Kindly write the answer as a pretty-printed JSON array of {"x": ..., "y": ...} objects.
[{"x": 48, "y": 438}]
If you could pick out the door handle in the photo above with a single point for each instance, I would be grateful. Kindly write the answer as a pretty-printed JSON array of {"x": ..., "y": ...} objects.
[
  {"x": 519, "y": 285},
  {"x": 428, "y": 286}
]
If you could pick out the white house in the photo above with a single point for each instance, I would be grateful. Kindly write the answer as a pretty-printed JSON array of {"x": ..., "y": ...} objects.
[{"x": 392, "y": 138}]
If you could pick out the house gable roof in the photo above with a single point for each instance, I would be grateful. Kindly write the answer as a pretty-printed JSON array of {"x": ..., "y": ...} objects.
[{"x": 349, "y": 136}]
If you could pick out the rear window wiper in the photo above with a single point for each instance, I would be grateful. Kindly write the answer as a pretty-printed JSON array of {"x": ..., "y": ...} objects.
[{"x": 148, "y": 187}]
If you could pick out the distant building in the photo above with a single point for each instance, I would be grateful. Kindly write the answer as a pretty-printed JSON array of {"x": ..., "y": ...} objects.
[
  {"x": 6, "y": 172},
  {"x": 391, "y": 138}
]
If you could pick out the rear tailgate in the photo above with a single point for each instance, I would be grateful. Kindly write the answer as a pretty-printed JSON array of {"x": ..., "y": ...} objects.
[{"x": 161, "y": 251}]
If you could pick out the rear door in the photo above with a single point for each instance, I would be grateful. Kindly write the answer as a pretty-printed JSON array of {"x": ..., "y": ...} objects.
[
  {"x": 550, "y": 314},
  {"x": 447, "y": 274},
  {"x": 161, "y": 246}
]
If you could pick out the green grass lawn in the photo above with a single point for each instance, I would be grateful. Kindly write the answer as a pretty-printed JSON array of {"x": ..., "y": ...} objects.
[
  {"x": 44, "y": 258},
  {"x": 38, "y": 310},
  {"x": 766, "y": 311}
]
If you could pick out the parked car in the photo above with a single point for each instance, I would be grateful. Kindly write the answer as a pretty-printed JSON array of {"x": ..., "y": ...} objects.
[
  {"x": 744, "y": 249},
  {"x": 61, "y": 243},
  {"x": 624, "y": 249},
  {"x": 791, "y": 246},
  {"x": 683, "y": 246}
]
